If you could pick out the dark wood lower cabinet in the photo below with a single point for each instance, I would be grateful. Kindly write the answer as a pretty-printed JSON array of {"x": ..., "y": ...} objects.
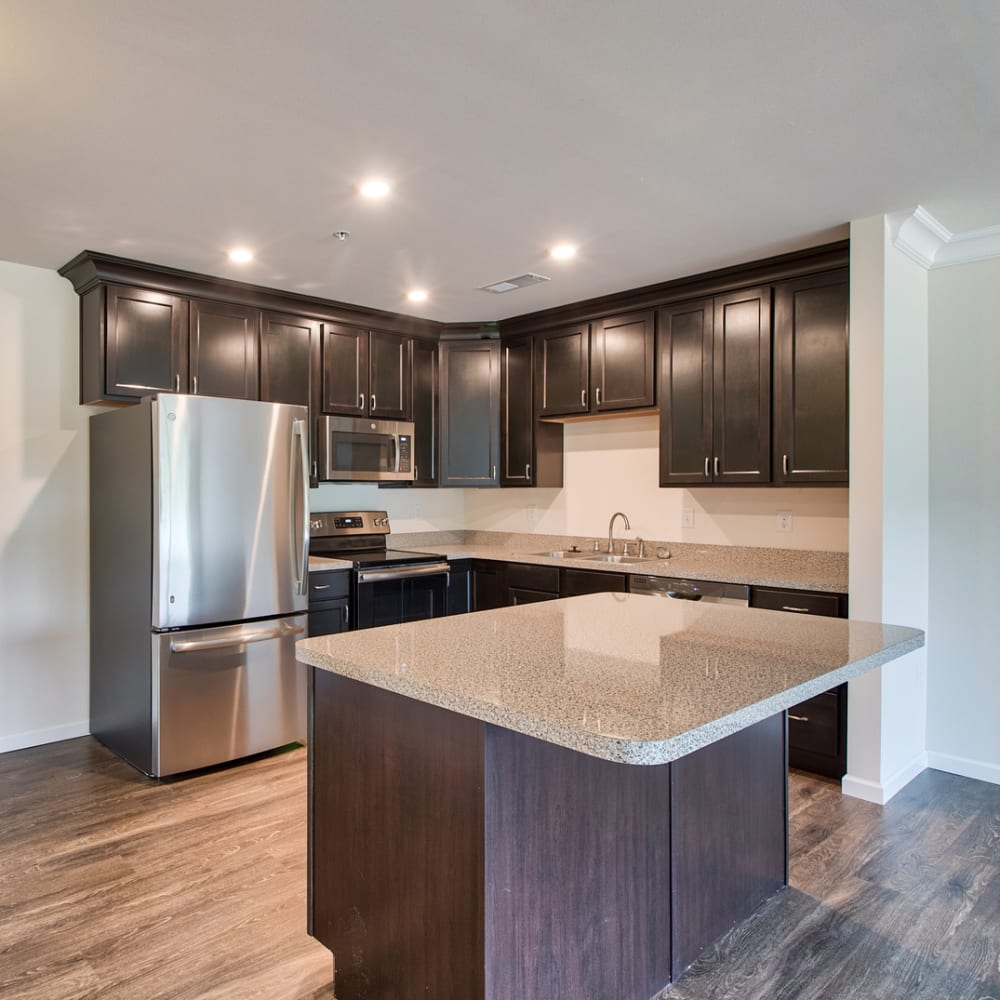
[
  {"x": 453, "y": 858},
  {"x": 817, "y": 727},
  {"x": 487, "y": 585}
]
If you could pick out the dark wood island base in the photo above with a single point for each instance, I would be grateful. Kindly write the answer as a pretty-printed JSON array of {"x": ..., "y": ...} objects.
[{"x": 453, "y": 859}]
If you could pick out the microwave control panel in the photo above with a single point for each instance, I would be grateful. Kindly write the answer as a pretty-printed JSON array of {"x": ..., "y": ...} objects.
[{"x": 404, "y": 453}]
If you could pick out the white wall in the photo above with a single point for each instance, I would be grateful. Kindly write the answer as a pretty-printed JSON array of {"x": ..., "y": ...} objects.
[
  {"x": 612, "y": 464},
  {"x": 964, "y": 681},
  {"x": 409, "y": 509},
  {"x": 889, "y": 562},
  {"x": 44, "y": 605}
]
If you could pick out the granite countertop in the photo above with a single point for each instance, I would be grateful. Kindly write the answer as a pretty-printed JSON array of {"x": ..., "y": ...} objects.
[
  {"x": 624, "y": 677},
  {"x": 761, "y": 567}
]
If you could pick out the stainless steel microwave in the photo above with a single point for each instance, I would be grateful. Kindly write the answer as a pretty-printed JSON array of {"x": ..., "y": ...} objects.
[{"x": 357, "y": 449}]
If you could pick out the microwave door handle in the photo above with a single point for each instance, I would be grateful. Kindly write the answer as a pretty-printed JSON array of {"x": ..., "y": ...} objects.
[
  {"x": 395, "y": 446},
  {"x": 299, "y": 483}
]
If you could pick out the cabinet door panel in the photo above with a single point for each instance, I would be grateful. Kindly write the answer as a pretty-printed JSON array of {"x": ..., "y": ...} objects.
[
  {"x": 516, "y": 423},
  {"x": 811, "y": 372},
  {"x": 563, "y": 360},
  {"x": 425, "y": 413},
  {"x": 389, "y": 381},
  {"x": 147, "y": 342},
  {"x": 470, "y": 413},
  {"x": 223, "y": 351},
  {"x": 621, "y": 363},
  {"x": 287, "y": 344},
  {"x": 685, "y": 393},
  {"x": 741, "y": 400},
  {"x": 345, "y": 370}
]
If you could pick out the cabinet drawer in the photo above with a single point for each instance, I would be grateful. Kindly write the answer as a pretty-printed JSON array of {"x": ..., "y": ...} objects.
[
  {"x": 329, "y": 585},
  {"x": 588, "y": 581},
  {"x": 812, "y": 724},
  {"x": 803, "y": 602},
  {"x": 530, "y": 577},
  {"x": 329, "y": 619},
  {"x": 519, "y": 595}
]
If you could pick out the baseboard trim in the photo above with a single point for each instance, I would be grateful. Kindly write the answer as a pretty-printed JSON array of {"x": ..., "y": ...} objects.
[
  {"x": 36, "y": 737},
  {"x": 964, "y": 766},
  {"x": 882, "y": 792}
]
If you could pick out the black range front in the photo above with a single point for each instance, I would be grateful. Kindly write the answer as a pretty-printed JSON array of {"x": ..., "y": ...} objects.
[{"x": 388, "y": 586}]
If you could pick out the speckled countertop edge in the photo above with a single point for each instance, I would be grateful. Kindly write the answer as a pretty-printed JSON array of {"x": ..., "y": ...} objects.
[
  {"x": 794, "y": 569},
  {"x": 612, "y": 748}
]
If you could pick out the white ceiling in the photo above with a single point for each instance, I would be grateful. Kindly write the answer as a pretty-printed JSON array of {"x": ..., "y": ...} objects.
[{"x": 664, "y": 137}]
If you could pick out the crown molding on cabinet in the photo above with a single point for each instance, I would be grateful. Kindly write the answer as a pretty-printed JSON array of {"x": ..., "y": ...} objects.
[{"x": 920, "y": 236}]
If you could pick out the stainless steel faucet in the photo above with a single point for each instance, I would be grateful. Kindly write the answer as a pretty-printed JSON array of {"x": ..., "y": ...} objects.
[{"x": 611, "y": 529}]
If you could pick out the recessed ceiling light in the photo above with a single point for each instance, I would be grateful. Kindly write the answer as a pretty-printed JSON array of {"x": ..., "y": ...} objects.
[
  {"x": 563, "y": 251},
  {"x": 417, "y": 295},
  {"x": 240, "y": 256},
  {"x": 375, "y": 188}
]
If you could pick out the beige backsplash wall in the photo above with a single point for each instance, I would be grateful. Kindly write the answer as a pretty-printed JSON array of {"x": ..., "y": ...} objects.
[{"x": 612, "y": 465}]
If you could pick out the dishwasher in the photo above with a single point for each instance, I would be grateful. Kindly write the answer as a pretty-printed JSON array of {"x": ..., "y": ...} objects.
[{"x": 707, "y": 591}]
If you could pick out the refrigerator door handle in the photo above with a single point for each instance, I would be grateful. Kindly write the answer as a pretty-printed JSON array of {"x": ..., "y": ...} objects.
[
  {"x": 300, "y": 517},
  {"x": 240, "y": 639}
]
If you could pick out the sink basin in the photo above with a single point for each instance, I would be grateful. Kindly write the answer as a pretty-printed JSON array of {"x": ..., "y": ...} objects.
[
  {"x": 608, "y": 558},
  {"x": 563, "y": 554}
]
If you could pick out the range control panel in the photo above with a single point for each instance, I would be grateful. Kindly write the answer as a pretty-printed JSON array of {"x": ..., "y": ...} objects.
[{"x": 345, "y": 524}]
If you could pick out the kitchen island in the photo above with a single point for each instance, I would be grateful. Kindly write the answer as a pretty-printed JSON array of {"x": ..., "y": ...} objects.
[{"x": 569, "y": 799}]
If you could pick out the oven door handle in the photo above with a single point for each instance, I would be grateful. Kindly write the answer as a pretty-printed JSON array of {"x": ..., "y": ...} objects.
[{"x": 402, "y": 572}]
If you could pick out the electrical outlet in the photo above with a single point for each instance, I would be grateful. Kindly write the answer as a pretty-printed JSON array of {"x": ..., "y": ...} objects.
[
  {"x": 784, "y": 520},
  {"x": 532, "y": 513},
  {"x": 418, "y": 510},
  {"x": 687, "y": 517}
]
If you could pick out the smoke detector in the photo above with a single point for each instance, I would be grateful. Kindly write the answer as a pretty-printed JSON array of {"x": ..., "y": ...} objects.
[{"x": 509, "y": 284}]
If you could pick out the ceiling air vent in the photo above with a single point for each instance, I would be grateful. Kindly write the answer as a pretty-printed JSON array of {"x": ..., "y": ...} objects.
[{"x": 509, "y": 284}]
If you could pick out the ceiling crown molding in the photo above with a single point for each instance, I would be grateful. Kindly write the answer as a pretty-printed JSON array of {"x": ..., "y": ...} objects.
[{"x": 920, "y": 236}]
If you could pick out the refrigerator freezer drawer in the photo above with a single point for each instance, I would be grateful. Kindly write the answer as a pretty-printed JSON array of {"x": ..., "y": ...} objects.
[{"x": 227, "y": 692}]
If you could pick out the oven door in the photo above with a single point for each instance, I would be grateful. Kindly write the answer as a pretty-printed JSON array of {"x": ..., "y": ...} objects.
[
  {"x": 400, "y": 594},
  {"x": 359, "y": 450}
]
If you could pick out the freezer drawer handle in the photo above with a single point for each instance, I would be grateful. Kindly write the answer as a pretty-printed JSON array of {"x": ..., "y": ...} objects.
[
  {"x": 195, "y": 645},
  {"x": 798, "y": 718},
  {"x": 402, "y": 573}
]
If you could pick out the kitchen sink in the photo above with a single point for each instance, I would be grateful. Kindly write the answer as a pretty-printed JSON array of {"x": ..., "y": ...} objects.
[
  {"x": 609, "y": 558},
  {"x": 563, "y": 554}
]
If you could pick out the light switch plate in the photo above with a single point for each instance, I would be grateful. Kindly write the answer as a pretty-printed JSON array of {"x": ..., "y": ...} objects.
[{"x": 687, "y": 517}]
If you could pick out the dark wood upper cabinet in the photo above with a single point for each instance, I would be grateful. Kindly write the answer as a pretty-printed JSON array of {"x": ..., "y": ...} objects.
[
  {"x": 531, "y": 451},
  {"x": 715, "y": 390},
  {"x": 289, "y": 349},
  {"x": 389, "y": 376},
  {"x": 144, "y": 336},
  {"x": 563, "y": 370},
  {"x": 425, "y": 413},
  {"x": 622, "y": 375},
  {"x": 222, "y": 353},
  {"x": 685, "y": 393},
  {"x": 366, "y": 373},
  {"x": 597, "y": 367},
  {"x": 470, "y": 413},
  {"x": 811, "y": 379},
  {"x": 741, "y": 396},
  {"x": 345, "y": 370}
]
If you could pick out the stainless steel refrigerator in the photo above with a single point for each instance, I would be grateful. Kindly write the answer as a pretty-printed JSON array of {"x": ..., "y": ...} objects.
[{"x": 199, "y": 537}]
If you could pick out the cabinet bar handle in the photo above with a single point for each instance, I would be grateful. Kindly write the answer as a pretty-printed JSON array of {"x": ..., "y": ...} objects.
[
  {"x": 788, "y": 607},
  {"x": 347, "y": 614},
  {"x": 315, "y": 469},
  {"x": 708, "y": 471},
  {"x": 583, "y": 398},
  {"x": 362, "y": 401},
  {"x": 177, "y": 382},
  {"x": 493, "y": 472},
  {"x": 716, "y": 466},
  {"x": 799, "y": 718},
  {"x": 784, "y": 464},
  {"x": 194, "y": 384},
  {"x": 597, "y": 393},
  {"x": 527, "y": 471},
  {"x": 373, "y": 402},
  {"x": 323, "y": 586}
]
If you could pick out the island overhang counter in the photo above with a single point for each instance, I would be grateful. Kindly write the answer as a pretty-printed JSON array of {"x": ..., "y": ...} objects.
[{"x": 571, "y": 798}]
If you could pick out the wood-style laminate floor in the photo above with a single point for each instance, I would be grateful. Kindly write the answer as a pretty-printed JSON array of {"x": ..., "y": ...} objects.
[{"x": 115, "y": 887}]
